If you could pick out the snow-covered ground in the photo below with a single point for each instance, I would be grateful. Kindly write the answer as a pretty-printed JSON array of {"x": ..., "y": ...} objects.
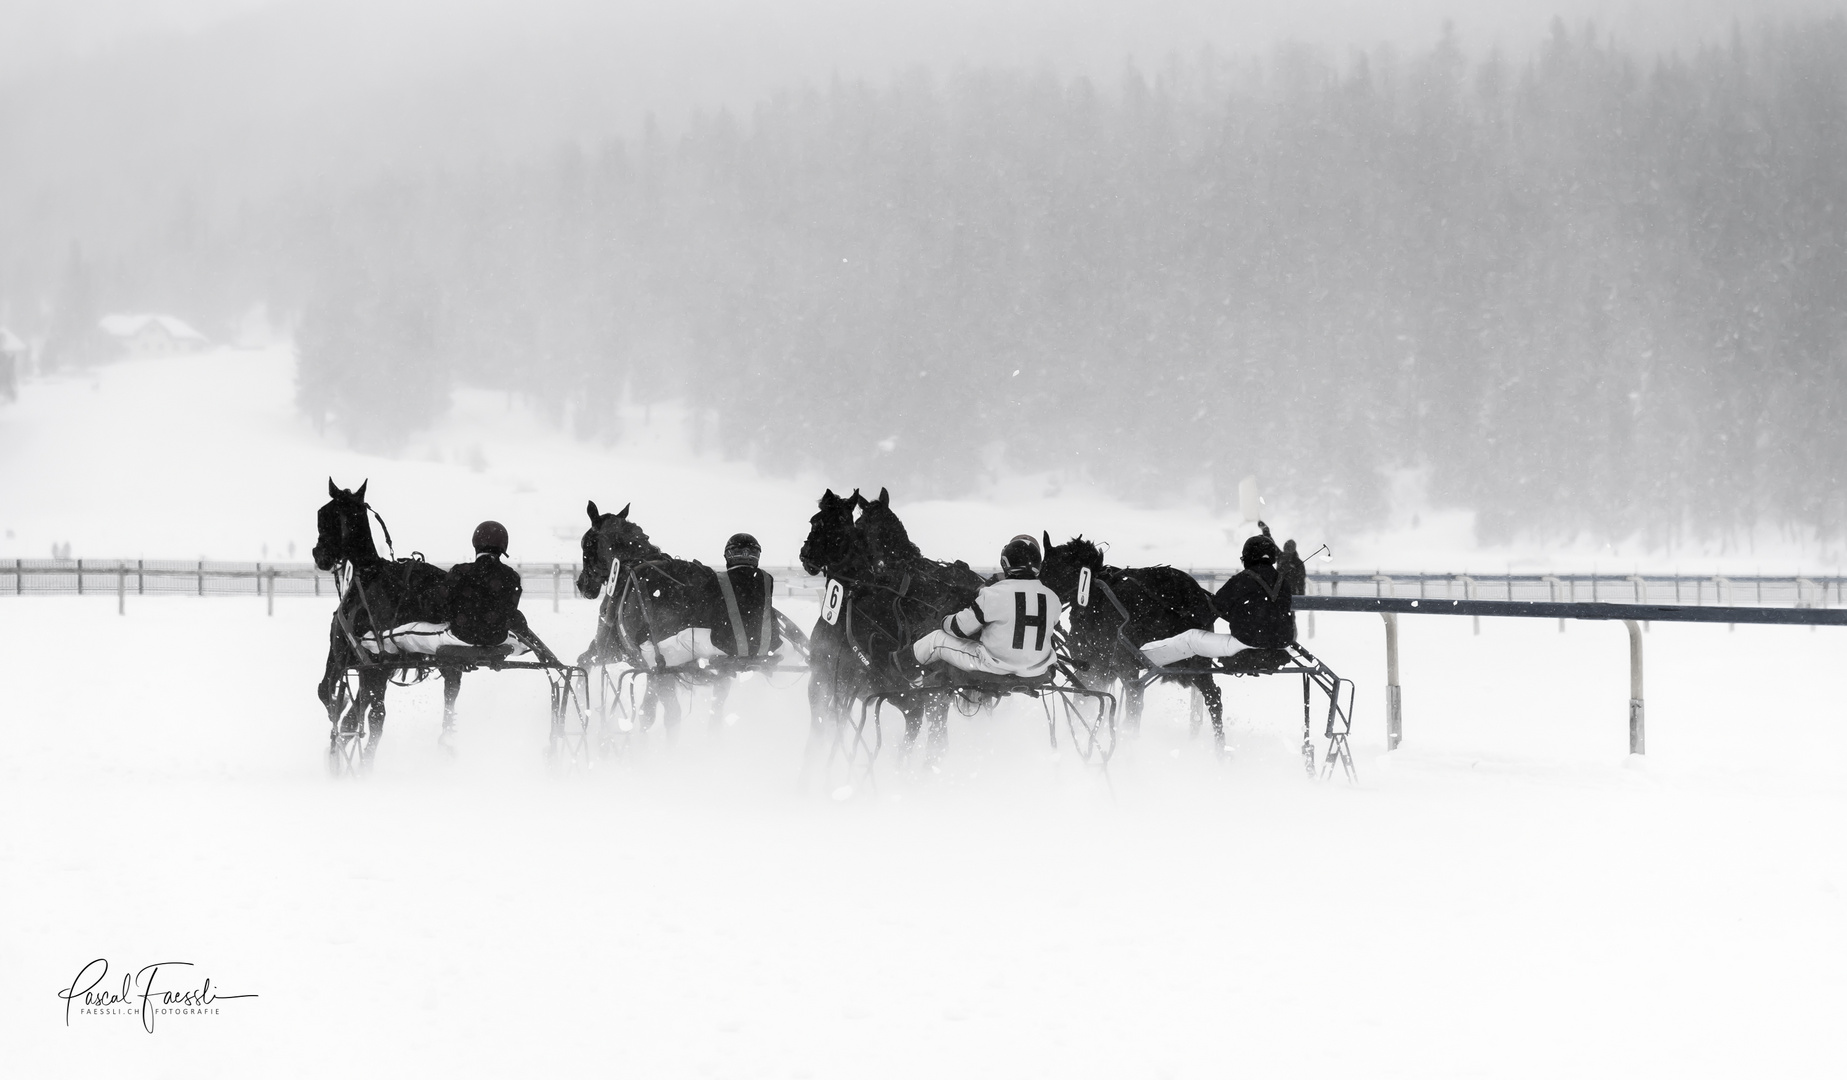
[{"x": 1509, "y": 894}]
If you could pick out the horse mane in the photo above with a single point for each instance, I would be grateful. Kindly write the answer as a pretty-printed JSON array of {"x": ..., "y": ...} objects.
[
  {"x": 633, "y": 537},
  {"x": 1085, "y": 553},
  {"x": 886, "y": 534}
]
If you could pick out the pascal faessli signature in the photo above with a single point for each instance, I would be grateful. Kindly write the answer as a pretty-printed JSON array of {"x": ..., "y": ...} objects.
[{"x": 93, "y": 993}]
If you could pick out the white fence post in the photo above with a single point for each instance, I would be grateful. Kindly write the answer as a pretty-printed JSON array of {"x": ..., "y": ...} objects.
[
  {"x": 1552, "y": 583},
  {"x": 1394, "y": 699},
  {"x": 1637, "y": 732},
  {"x": 121, "y": 589}
]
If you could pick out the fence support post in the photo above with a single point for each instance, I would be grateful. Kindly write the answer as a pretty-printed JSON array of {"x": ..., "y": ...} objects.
[
  {"x": 1552, "y": 583},
  {"x": 79, "y": 577},
  {"x": 121, "y": 589},
  {"x": 270, "y": 589},
  {"x": 1394, "y": 700},
  {"x": 1637, "y": 730},
  {"x": 201, "y": 577},
  {"x": 555, "y": 571}
]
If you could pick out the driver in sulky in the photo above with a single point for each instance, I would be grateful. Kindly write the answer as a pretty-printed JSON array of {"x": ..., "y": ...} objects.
[{"x": 1006, "y": 631}]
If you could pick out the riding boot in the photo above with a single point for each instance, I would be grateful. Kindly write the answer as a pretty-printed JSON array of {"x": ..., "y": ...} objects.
[
  {"x": 904, "y": 662},
  {"x": 1256, "y": 661}
]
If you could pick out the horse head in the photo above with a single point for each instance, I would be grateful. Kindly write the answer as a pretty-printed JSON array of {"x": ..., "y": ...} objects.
[
  {"x": 1059, "y": 571},
  {"x": 886, "y": 537},
  {"x": 832, "y": 537},
  {"x": 343, "y": 534},
  {"x": 611, "y": 537}
]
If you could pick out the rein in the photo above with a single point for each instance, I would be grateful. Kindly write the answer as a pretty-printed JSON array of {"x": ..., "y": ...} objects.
[{"x": 387, "y": 529}]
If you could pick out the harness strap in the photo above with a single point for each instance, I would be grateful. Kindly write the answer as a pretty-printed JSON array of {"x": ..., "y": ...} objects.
[
  {"x": 741, "y": 638},
  {"x": 1274, "y": 593},
  {"x": 386, "y": 528},
  {"x": 769, "y": 616},
  {"x": 622, "y": 634},
  {"x": 846, "y": 630}
]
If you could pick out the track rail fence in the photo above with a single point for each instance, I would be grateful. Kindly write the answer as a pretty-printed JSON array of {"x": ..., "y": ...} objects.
[{"x": 199, "y": 577}]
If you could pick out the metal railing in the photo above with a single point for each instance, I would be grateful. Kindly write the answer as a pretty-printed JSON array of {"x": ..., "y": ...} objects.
[
  {"x": 1756, "y": 590},
  {"x": 123, "y": 578},
  {"x": 1633, "y": 616},
  {"x": 198, "y": 577}
]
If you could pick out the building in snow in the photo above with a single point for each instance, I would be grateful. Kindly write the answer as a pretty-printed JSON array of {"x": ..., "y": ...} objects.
[{"x": 153, "y": 335}]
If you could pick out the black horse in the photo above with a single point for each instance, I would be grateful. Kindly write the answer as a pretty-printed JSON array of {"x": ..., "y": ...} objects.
[
  {"x": 836, "y": 549},
  {"x": 1129, "y": 608},
  {"x": 651, "y": 597},
  {"x": 892, "y": 595},
  {"x": 376, "y": 594}
]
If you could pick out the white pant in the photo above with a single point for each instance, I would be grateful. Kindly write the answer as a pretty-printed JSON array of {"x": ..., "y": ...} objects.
[
  {"x": 690, "y": 644},
  {"x": 423, "y": 639},
  {"x": 959, "y": 652},
  {"x": 1191, "y": 643}
]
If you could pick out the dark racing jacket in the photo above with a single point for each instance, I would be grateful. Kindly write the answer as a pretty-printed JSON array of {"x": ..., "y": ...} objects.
[
  {"x": 484, "y": 601},
  {"x": 749, "y": 590},
  {"x": 1258, "y": 606}
]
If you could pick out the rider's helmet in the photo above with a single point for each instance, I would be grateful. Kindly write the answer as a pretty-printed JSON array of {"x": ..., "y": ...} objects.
[
  {"x": 742, "y": 550},
  {"x": 1260, "y": 551},
  {"x": 490, "y": 538},
  {"x": 1020, "y": 558}
]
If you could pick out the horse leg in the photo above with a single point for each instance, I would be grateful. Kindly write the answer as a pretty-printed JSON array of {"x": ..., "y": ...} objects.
[
  {"x": 913, "y": 724},
  {"x": 1215, "y": 705},
  {"x": 329, "y": 690},
  {"x": 1132, "y": 693},
  {"x": 372, "y": 692},
  {"x": 936, "y": 741},
  {"x": 669, "y": 699},
  {"x": 721, "y": 690},
  {"x": 452, "y": 687}
]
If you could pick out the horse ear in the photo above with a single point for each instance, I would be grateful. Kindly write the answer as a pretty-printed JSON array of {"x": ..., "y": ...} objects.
[
  {"x": 884, "y": 497},
  {"x": 591, "y": 510},
  {"x": 333, "y": 490},
  {"x": 623, "y": 516},
  {"x": 1047, "y": 549},
  {"x": 829, "y": 499},
  {"x": 361, "y": 493}
]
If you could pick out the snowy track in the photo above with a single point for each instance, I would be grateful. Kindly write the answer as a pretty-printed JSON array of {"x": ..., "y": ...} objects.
[{"x": 1507, "y": 896}]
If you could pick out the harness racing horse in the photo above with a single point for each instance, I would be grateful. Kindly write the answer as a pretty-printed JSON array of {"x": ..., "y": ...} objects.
[
  {"x": 376, "y": 594},
  {"x": 648, "y": 596},
  {"x": 1127, "y": 609},
  {"x": 891, "y": 595},
  {"x": 836, "y": 549}
]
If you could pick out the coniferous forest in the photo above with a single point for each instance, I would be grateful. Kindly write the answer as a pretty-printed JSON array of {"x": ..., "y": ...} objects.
[{"x": 1590, "y": 289}]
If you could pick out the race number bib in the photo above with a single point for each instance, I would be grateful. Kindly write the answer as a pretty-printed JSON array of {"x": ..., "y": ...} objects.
[
  {"x": 830, "y": 603},
  {"x": 1083, "y": 587}
]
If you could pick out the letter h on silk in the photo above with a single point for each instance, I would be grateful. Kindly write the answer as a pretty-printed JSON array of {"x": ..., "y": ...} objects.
[{"x": 1021, "y": 621}]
